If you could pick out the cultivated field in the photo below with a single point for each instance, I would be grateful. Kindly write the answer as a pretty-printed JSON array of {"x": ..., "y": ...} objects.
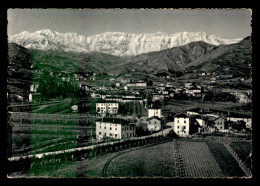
[
  {"x": 177, "y": 158},
  {"x": 47, "y": 133},
  {"x": 243, "y": 150}
]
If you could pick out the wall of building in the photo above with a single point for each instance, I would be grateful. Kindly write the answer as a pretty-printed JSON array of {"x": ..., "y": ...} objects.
[
  {"x": 154, "y": 112},
  {"x": 110, "y": 130},
  {"x": 181, "y": 123},
  {"x": 111, "y": 108},
  {"x": 248, "y": 121},
  {"x": 154, "y": 125},
  {"x": 201, "y": 122},
  {"x": 220, "y": 124}
]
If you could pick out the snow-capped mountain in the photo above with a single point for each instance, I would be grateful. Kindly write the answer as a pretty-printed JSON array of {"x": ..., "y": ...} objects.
[{"x": 115, "y": 43}]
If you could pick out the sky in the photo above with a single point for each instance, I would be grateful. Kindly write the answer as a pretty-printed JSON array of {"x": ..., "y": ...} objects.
[{"x": 224, "y": 23}]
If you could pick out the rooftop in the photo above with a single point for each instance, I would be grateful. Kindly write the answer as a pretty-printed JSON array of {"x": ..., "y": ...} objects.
[
  {"x": 114, "y": 120},
  {"x": 181, "y": 115},
  {"x": 237, "y": 115},
  {"x": 200, "y": 110},
  {"x": 153, "y": 117},
  {"x": 104, "y": 101}
]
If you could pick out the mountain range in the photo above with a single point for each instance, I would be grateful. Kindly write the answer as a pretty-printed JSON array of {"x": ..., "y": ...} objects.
[
  {"x": 200, "y": 56},
  {"x": 114, "y": 43}
]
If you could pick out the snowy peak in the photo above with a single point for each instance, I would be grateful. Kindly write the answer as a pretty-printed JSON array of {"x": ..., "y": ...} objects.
[{"x": 114, "y": 43}]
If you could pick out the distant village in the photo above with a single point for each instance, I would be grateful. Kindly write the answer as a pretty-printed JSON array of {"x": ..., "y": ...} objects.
[{"x": 120, "y": 91}]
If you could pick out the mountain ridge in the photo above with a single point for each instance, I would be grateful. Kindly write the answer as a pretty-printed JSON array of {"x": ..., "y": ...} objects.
[{"x": 114, "y": 43}]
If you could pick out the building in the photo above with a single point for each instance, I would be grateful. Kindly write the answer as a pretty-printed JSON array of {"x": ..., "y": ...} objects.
[
  {"x": 155, "y": 112},
  {"x": 114, "y": 128},
  {"x": 219, "y": 123},
  {"x": 34, "y": 97},
  {"x": 182, "y": 125},
  {"x": 154, "y": 123},
  {"x": 156, "y": 97},
  {"x": 113, "y": 98},
  {"x": 196, "y": 92},
  {"x": 96, "y": 94},
  {"x": 110, "y": 107},
  {"x": 85, "y": 86},
  {"x": 200, "y": 120},
  {"x": 240, "y": 117},
  {"x": 188, "y": 85},
  {"x": 201, "y": 112},
  {"x": 137, "y": 84},
  {"x": 135, "y": 99}
]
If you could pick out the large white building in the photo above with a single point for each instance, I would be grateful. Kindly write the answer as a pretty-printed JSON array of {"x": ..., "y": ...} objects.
[
  {"x": 182, "y": 125},
  {"x": 155, "y": 112},
  {"x": 240, "y": 117},
  {"x": 114, "y": 128},
  {"x": 110, "y": 107}
]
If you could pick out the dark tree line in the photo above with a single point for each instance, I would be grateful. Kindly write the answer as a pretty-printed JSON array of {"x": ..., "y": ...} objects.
[{"x": 50, "y": 87}]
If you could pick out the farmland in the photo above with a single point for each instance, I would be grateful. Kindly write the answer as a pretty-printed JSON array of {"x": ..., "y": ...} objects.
[
  {"x": 177, "y": 158},
  {"x": 243, "y": 150},
  {"x": 226, "y": 162},
  {"x": 38, "y": 133}
]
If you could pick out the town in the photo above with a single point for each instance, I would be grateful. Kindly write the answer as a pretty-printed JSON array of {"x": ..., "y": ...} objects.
[
  {"x": 140, "y": 104},
  {"x": 100, "y": 93}
]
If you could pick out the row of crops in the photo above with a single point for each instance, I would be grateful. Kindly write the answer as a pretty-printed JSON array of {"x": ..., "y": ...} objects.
[{"x": 198, "y": 160}]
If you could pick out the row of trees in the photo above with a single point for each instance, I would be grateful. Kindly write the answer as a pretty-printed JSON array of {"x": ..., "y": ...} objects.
[{"x": 50, "y": 87}]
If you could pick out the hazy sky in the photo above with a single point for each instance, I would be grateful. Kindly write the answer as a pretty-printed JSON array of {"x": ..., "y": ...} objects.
[{"x": 227, "y": 24}]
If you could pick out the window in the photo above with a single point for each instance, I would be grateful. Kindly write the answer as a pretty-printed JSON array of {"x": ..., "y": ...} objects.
[
  {"x": 116, "y": 128},
  {"x": 115, "y": 135},
  {"x": 110, "y": 128},
  {"x": 178, "y": 121},
  {"x": 105, "y": 128},
  {"x": 105, "y": 134},
  {"x": 100, "y": 127},
  {"x": 149, "y": 122},
  {"x": 184, "y": 127},
  {"x": 178, "y": 127},
  {"x": 110, "y": 134},
  {"x": 100, "y": 133},
  {"x": 155, "y": 122},
  {"x": 184, "y": 121}
]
